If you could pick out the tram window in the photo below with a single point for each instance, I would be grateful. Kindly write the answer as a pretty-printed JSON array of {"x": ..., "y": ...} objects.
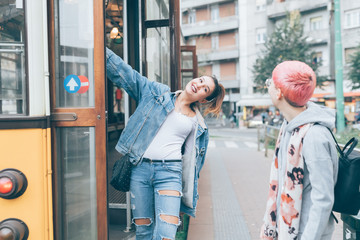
[
  {"x": 186, "y": 77},
  {"x": 115, "y": 41},
  {"x": 157, "y": 9},
  {"x": 74, "y": 54},
  {"x": 12, "y": 58}
]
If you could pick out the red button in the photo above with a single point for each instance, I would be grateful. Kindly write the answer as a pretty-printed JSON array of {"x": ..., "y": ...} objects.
[{"x": 6, "y": 185}]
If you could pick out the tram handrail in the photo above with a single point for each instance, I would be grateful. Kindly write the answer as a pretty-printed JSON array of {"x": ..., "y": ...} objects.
[
  {"x": 11, "y": 50},
  {"x": 12, "y": 44}
]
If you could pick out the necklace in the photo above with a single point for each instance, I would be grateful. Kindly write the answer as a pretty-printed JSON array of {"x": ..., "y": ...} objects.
[{"x": 187, "y": 111}]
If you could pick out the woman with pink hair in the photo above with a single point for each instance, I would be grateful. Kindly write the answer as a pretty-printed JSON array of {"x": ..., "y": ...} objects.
[{"x": 304, "y": 168}]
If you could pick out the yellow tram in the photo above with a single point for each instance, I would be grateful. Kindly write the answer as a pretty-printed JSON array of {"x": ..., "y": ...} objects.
[{"x": 59, "y": 116}]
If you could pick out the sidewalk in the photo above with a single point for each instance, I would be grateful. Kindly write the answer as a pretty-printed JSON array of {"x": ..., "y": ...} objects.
[{"x": 233, "y": 192}]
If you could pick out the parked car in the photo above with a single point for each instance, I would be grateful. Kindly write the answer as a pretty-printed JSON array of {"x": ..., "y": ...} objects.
[{"x": 254, "y": 121}]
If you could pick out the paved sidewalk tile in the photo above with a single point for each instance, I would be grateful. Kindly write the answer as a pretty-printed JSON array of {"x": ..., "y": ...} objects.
[
  {"x": 202, "y": 226},
  {"x": 229, "y": 221},
  {"x": 244, "y": 179}
]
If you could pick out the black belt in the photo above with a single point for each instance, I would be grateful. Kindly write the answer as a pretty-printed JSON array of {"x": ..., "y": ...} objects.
[{"x": 164, "y": 160}]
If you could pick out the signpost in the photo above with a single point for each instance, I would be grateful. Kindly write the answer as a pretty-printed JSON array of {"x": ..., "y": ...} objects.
[{"x": 340, "y": 121}]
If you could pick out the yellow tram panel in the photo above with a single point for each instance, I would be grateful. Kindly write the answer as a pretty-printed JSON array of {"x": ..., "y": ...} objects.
[{"x": 29, "y": 151}]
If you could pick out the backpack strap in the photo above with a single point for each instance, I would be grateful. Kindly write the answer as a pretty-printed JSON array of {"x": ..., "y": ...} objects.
[
  {"x": 353, "y": 141},
  {"x": 344, "y": 152},
  {"x": 335, "y": 218},
  {"x": 337, "y": 144}
]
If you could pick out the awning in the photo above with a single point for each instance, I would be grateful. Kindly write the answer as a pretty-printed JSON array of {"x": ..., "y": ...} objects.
[
  {"x": 333, "y": 95},
  {"x": 254, "y": 102},
  {"x": 320, "y": 95},
  {"x": 266, "y": 101},
  {"x": 352, "y": 94}
]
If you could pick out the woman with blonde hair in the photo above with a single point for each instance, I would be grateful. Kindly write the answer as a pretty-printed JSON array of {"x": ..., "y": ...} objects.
[{"x": 166, "y": 139}]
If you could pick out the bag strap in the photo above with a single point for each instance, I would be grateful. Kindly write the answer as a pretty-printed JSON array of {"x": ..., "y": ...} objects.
[
  {"x": 337, "y": 144},
  {"x": 353, "y": 141},
  {"x": 345, "y": 152}
]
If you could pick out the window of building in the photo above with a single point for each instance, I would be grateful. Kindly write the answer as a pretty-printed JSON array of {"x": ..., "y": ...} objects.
[
  {"x": 315, "y": 23},
  {"x": 228, "y": 71},
  {"x": 261, "y": 35},
  {"x": 185, "y": 18},
  {"x": 215, "y": 41},
  {"x": 192, "y": 16},
  {"x": 205, "y": 70},
  {"x": 317, "y": 57},
  {"x": 260, "y": 5},
  {"x": 235, "y": 90},
  {"x": 12, "y": 59},
  {"x": 191, "y": 41},
  {"x": 215, "y": 13},
  {"x": 348, "y": 53},
  {"x": 352, "y": 19}
]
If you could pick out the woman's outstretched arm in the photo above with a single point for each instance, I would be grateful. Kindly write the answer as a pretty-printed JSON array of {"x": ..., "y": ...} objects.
[{"x": 123, "y": 75}]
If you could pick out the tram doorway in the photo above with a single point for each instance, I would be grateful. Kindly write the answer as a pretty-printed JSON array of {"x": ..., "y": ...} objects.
[
  {"x": 146, "y": 34},
  {"x": 119, "y": 107},
  {"x": 78, "y": 119}
]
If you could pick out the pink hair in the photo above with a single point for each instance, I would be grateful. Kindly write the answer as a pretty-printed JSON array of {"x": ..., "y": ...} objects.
[{"x": 296, "y": 80}]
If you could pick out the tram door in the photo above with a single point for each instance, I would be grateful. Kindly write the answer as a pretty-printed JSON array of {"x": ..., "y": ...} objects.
[{"x": 78, "y": 119}]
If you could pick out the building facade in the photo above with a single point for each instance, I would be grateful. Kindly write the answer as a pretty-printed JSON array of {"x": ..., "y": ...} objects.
[
  {"x": 213, "y": 27},
  {"x": 201, "y": 26}
]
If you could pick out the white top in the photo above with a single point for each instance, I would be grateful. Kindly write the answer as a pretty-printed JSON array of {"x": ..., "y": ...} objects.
[{"x": 171, "y": 136}]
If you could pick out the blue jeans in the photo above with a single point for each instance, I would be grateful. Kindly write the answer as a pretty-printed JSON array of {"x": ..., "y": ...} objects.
[{"x": 149, "y": 202}]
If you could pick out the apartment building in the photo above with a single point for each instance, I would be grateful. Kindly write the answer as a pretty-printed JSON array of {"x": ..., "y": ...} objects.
[
  {"x": 317, "y": 17},
  {"x": 350, "y": 21},
  {"x": 258, "y": 20},
  {"x": 230, "y": 35},
  {"x": 212, "y": 26}
]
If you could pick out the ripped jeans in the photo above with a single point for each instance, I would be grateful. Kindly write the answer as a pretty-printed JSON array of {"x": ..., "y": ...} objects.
[{"x": 156, "y": 190}]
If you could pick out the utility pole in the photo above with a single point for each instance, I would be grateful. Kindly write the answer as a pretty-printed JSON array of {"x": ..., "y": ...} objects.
[{"x": 338, "y": 70}]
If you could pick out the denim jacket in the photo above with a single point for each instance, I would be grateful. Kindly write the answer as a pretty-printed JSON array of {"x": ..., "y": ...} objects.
[{"x": 154, "y": 103}]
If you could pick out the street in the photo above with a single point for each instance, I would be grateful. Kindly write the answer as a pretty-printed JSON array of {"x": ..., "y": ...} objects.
[{"x": 233, "y": 188}]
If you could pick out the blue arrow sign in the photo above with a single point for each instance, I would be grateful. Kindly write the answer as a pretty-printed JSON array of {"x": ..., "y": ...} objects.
[{"x": 72, "y": 83}]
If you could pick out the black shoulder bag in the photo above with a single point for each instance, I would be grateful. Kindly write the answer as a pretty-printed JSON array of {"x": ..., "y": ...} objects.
[
  {"x": 121, "y": 174},
  {"x": 347, "y": 188}
]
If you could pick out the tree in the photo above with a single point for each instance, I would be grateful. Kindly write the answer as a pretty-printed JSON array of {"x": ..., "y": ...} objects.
[
  {"x": 354, "y": 69},
  {"x": 287, "y": 42}
]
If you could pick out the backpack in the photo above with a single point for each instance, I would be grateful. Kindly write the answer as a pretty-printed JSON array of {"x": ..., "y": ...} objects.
[{"x": 347, "y": 188}]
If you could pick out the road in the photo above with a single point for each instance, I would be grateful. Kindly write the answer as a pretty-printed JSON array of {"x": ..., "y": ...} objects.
[{"x": 233, "y": 187}]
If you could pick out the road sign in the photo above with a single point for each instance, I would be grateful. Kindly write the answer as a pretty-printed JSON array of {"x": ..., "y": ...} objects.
[
  {"x": 84, "y": 86},
  {"x": 72, "y": 83}
]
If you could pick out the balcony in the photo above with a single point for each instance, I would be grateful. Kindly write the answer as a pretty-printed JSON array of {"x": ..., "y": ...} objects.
[
  {"x": 210, "y": 55},
  {"x": 205, "y": 27},
  {"x": 318, "y": 36},
  {"x": 230, "y": 82},
  {"x": 186, "y": 4},
  {"x": 276, "y": 10}
]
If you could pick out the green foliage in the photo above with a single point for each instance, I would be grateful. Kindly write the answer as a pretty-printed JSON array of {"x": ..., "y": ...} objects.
[
  {"x": 344, "y": 136},
  {"x": 287, "y": 42},
  {"x": 354, "y": 69},
  {"x": 182, "y": 233}
]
